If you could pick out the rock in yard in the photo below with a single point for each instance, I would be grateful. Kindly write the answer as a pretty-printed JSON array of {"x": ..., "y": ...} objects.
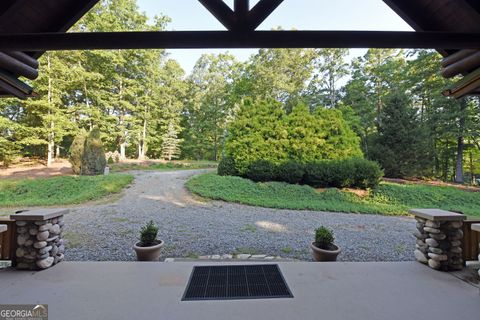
[
  {"x": 434, "y": 264},
  {"x": 42, "y": 236},
  {"x": 438, "y": 236},
  {"x": 45, "y": 227},
  {"x": 40, "y": 244},
  {"x": 431, "y": 230},
  {"x": 20, "y": 252},
  {"x": 420, "y": 256},
  {"x": 431, "y": 242},
  {"x": 45, "y": 250},
  {"x": 45, "y": 263},
  {"x": 438, "y": 257},
  {"x": 435, "y": 250},
  {"x": 55, "y": 229},
  {"x": 22, "y": 230},
  {"x": 432, "y": 224},
  {"x": 457, "y": 250},
  {"x": 22, "y": 238}
]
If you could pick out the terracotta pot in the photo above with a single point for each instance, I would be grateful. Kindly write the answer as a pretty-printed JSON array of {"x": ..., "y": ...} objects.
[
  {"x": 325, "y": 255},
  {"x": 151, "y": 253}
]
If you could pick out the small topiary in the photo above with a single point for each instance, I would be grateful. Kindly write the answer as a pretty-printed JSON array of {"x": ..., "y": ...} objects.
[
  {"x": 324, "y": 238},
  {"x": 148, "y": 234},
  {"x": 93, "y": 159},
  {"x": 76, "y": 151},
  {"x": 226, "y": 167},
  {"x": 261, "y": 171},
  {"x": 290, "y": 172}
]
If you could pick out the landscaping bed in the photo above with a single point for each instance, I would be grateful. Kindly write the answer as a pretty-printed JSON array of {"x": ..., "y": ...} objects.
[
  {"x": 60, "y": 190},
  {"x": 386, "y": 199}
]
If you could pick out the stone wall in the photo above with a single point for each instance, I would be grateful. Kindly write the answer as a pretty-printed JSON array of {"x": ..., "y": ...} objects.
[
  {"x": 39, "y": 243},
  {"x": 39, "y": 239},
  {"x": 439, "y": 244}
]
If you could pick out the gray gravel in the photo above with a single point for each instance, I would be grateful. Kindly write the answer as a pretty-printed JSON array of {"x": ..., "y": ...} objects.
[{"x": 193, "y": 227}]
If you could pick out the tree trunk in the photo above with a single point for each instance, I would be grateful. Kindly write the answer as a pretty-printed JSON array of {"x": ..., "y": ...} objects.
[
  {"x": 122, "y": 151},
  {"x": 142, "y": 144},
  {"x": 57, "y": 152},
  {"x": 460, "y": 143},
  {"x": 472, "y": 169},
  {"x": 459, "y": 162},
  {"x": 51, "y": 134}
]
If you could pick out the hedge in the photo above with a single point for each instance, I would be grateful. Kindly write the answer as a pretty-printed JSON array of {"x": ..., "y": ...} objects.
[{"x": 348, "y": 173}]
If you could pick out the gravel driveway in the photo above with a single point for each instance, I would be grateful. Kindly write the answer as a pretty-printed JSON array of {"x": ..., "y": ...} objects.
[{"x": 193, "y": 227}]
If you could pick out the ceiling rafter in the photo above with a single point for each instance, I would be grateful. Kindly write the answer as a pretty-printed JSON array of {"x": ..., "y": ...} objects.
[{"x": 242, "y": 18}]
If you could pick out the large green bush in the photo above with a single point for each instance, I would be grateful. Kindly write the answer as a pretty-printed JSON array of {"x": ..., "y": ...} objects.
[
  {"x": 262, "y": 130},
  {"x": 93, "y": 159}
]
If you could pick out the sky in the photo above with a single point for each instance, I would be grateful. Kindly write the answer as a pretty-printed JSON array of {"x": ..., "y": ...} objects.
[{"x": 291, "y": 14}]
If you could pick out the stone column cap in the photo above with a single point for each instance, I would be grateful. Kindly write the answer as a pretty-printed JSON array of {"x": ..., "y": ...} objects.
[
  {"x": 476, "y": 227},
  {"x": 3, "y": 228},
  {"x": 38, "y": 214},
  {"x": 438, "y": 215}
]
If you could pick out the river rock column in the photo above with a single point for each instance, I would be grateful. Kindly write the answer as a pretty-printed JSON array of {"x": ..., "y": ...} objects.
[
  {"x": 39, "y": 238},
  {"x": 439, "y": 238}
]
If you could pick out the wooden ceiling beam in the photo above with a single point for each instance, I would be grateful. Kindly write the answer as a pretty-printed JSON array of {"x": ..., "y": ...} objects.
[
  {"x": 226, "y": 39},
  {"x": 221, "y": 11},
  {"x": 241, "y": 8},
  {"x": 261, "y": 11}
]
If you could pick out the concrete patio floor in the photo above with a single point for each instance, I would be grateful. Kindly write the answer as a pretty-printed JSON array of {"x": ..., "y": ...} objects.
[{"x": 343, "y": 290}]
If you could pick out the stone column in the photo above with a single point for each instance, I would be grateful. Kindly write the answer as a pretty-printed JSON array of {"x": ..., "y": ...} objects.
[
  {"x": 476, "y": 227},
  {"x": 39, "y": 238},
  {"x": 439, "y": 238}
]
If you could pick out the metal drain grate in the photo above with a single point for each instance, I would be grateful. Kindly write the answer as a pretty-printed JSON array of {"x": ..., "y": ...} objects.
[{"x": 236, "y": 282}]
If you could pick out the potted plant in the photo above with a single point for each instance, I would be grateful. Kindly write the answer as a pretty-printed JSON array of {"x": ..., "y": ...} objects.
[
  {"x": 149, "y": 247},
  {"x": 323, "y": 247}
]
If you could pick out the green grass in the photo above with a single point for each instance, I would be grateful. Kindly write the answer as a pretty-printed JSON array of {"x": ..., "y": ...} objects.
[
  {"x": 60, "y": 190},
  {"x": 387, "y": 199},
  {"x": 162, "y": 166}
]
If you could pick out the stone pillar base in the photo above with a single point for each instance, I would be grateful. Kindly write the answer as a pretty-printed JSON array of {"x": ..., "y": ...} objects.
[
  {"x": 439, "y": 239},
  {"x": 39, "y": 238}
]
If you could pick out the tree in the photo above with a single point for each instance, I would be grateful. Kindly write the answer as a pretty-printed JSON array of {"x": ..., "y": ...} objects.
[
  {"x": 171, "y": 143},
  {"x": 93, "y": 158},
  {"x": 330, "y": 68},
  {"x": 400, "y": 143},
  {"x": 280, "y": 74},
  {"x": 210, "y": 105}
]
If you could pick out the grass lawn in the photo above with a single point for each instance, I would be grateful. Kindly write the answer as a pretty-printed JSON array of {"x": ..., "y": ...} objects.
[
  {"x": 60, "y": 190},
  {"x": 387, "y": 199},
  {"x": 162, "y": 166}
]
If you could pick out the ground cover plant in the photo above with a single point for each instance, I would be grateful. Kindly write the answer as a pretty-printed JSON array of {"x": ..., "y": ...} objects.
[
  {"x": 60, "y": 190},
  {"x": 386, "y": 199}
]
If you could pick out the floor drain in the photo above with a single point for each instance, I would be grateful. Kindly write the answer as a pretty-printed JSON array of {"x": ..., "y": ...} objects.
[{"x": 236, "y": 282}]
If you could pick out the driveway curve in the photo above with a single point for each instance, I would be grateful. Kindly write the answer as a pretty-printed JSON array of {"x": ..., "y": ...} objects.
[{"x": 193, "y": 227}]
